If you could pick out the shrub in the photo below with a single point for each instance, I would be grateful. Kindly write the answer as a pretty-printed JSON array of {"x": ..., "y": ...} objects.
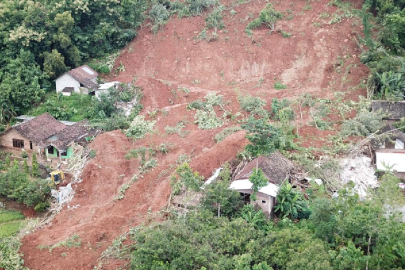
[
  {"x": 219, "y": 137},
  {"x": 196, "y": 104},
  {"x": 35, "y": 166},
  {"x": 159, "y": 16},
  {"x": 363, "y": 124},
  {"x": 186, "y": 178},
  {"x": 177, "y": 129},
  {"x": 41, "y": 207},
  {"x": 214, "y": 19},
  {"x": 279, "y": 86},
  {"x": 207, "y": 120},
  {"x": 139, "y": 127},
  {"x": 254, "y": 105},
  {"x": 92, "y": 153},
  {"x": 268, "y": 16},
  {"x": 291, "y": 203}
]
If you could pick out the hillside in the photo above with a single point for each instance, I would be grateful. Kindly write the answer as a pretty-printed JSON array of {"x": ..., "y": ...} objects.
[{"x": 320, "y": 58}]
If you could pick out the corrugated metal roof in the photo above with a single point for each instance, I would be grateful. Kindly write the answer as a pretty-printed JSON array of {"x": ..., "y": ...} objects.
[{"x": 270, "y": 189}]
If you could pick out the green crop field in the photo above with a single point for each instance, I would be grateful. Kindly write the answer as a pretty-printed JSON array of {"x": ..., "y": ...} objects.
[{"x": 10, "y": 222}]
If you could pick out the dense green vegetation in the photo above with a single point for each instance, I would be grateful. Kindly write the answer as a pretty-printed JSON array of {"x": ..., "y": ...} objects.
[
  {"x": 341, "y": 233},
  {"x": 39, "y": 40},
  {"x": 17, "y": 185},
  {"x": 386, "y": 51}
]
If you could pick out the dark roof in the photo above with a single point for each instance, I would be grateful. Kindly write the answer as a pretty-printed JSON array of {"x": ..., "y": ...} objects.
[
  {"x": 393, "y": 110},
  {"x": 275, "y": 167},
  {"x": 84, "y": 74},
  {"x": 395, "y": 133},
  {"x": 39, "y": 128},
  {"x": 70, "y": 134},
  {"x": 68, "y": 89}
]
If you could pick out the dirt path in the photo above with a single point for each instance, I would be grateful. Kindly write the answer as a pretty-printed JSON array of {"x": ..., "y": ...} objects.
[{"x": 318, "y": 58}]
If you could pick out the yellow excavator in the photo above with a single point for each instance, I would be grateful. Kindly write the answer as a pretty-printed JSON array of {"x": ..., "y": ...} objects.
[{"x": 57, "y": 177}]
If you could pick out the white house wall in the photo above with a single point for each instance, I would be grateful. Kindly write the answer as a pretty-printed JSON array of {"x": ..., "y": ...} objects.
[
  {"x": 66, "y": 80},
  {"x": 395, "y": 159}
]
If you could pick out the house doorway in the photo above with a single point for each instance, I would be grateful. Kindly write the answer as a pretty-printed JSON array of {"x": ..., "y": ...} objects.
[{"x": 245, "y": 197}]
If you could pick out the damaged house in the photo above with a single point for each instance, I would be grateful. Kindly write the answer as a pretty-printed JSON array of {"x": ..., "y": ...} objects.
[
  {"x": 390, "y": 152},
  {"x": 45, "y": 136},
  {"x": 276, "y": 169}
]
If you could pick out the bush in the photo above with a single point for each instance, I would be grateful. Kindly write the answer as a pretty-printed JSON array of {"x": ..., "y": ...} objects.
[
  {"x": 254, "y": 105},
  {"x": 159, "y": 16},
  {"x": 9, "y": 254},
  {"x": 268, "y": 16},
  {"x": 185, "y": 178},
  {"x": 41, "y": 207},
  {"x": 139, "y": 127},
  {"x": 363, "y": 124},
  {"x": 207, "y": 120},
  {"x": 16, "y": 185},
  {"x": 279, "y": 86},
  {"x": 214, "y": 19},
  {"x": 35, "y": 166},
  {"x": 219, "y": 137}
]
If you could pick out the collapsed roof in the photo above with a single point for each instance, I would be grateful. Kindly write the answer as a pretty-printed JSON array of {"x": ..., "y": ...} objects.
[
  {"x": 275, "y": 167},
  {"x": 393, "y": 110}
]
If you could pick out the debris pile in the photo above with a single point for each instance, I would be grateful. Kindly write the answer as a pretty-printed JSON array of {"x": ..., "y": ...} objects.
[
  {"x": 359, "y": 171},
  {"x": 77, "y": 162},
  {"x": 63, "y": 195}
]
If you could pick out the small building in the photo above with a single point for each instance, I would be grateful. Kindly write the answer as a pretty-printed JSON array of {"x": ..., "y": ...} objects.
[
  {"x": 276, "y": 169},
  {"x": 28, "y": 135},
  {"x": 391, "y": 152},
  {"x": 62, "y": 143},
  {"x": 82, "y": 80},
  {"x": 45, "y": 136},
  {"x": 393, "y": 110}
]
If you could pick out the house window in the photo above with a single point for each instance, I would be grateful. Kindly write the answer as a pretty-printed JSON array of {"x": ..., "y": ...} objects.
[
  {"x": 64, "y": 154},
  {"x": 18, "y": 143},
  {"x": 50, "y": 150},
  {"x": 31, "y": 145},
  {"x": 263, "y": 201},
  {"x": 245, "y": 197}
]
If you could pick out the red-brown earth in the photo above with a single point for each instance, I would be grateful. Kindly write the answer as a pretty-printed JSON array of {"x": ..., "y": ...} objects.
[{"x": 319, "y": 58}]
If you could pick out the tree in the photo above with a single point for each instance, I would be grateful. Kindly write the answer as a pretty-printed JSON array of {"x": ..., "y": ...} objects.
[
  {"x": 25, "y": 167},
  {"x": 262, "y": 135},
  {"x": 258, "y": 180},
  {"x": 291, "y": 203},
  {"x": 35, "y": 166},
  {"x": 54, "y": 64},
  {"x": 16, "y": 166},
  {"x": 7, "y": 161},
  {"x": 222, "y": 200}
]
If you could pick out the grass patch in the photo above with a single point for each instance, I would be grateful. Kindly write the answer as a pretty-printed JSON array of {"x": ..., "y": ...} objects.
[
  {"x": 10, "y": 228},
  {"x": 72, "y": 241},
  {"x": 219, "y": 137},
  {"x": 73, "y": 108},
  {"x": 6, "y": 216},
  {"x": 10, "y": 222}
]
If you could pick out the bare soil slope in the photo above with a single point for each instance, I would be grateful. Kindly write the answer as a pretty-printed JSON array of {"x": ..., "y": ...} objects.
[{"x": 319, "y": 58}]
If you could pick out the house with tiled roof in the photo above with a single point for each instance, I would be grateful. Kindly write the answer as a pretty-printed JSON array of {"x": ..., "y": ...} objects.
[
  {"x": 82, "y": 79},
  {"x": 276, "y": 168},
  {"x": 45, "y": 136}
]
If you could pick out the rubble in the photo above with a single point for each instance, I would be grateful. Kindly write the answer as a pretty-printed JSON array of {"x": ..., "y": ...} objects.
[{"x": 360, "y": 171}]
